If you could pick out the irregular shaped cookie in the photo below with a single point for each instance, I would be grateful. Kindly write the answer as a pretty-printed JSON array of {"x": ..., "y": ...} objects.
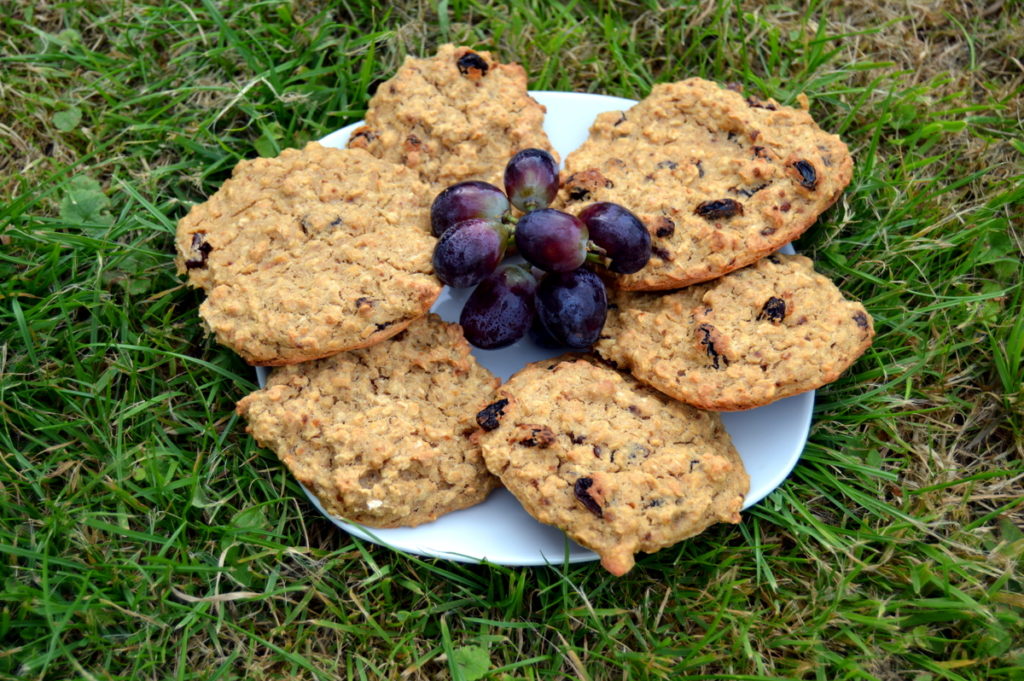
[
  {"x": 768, "y": 331},
  {"x": 617, "y": 466},
  {"x": 310, "y": 253},
  {"x": 718, "y": 179},
  {"x": 459, "y": 115},
  {"x": 382, "y": 436}
]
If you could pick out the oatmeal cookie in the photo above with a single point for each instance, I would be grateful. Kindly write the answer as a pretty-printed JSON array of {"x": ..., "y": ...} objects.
[
  {"x": 719, "y": 179},
  {"x": 768, "y": 331},
  {"x": 459, "y": 115},
  {"x": 617, "y": 466},
  {"x": 310, "y": 253},
  {"x": 382, "y": 436}
]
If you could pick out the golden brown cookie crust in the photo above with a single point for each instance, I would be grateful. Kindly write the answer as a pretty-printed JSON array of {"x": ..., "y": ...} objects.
[
  {"x": 719, "y": 179},
  {"x": 310, "y": 253},
  {"x": 460, "y": 115},
  {"x": 771, "y": 330},
  {"x": 382, "y": 436},
  {"x": 619, "y": 467}
]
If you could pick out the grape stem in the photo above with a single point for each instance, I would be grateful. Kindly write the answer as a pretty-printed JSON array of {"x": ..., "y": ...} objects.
[
  {"x": 596, "y": 254},
  {"x": 509, "y": 221}
]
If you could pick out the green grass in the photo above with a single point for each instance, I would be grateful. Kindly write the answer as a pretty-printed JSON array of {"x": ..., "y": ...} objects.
[{"x": 145, "y": 536}]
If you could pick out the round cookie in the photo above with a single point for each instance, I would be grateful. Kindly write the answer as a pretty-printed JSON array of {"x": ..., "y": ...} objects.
[
  {"x": 617, "y": 466},
  {"x": 718, "y": 179},
  {"x": 757, "y": 335},
  {"x": 310, "y": 253},
  {"x": 460, "y": 115},
  {"x": 382, "y": 436}
]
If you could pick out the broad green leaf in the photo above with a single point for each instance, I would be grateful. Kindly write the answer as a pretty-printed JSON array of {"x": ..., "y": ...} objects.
[
  {"x": 85, "y": 202},
  {"x": 472, "y": 661},
  {"x": 67, "y": 120},
  {"x": 252, "y": 518}
]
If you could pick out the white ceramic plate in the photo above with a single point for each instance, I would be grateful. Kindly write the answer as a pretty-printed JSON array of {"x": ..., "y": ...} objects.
[{"x": 769, "y": 439}]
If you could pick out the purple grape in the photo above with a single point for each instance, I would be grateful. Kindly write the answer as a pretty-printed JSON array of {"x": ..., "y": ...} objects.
[
  {"x": 468, "y": 251},
  {"x": 531, "y": 179},
  {"x": 500, "y": 310},
  {"x": 552, "y": 240},
  {"x": 620, "y": 233},
  {"x": 467, "y": 200},
  {"x": 539, "y": 335},
  {"x": 572, "y": 306}
]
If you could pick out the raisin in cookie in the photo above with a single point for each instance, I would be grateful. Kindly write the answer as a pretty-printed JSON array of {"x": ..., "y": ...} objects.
[
  {"x": 459, "y": 115},
  {"x": 768, "y": 331},
  {"x": 310, "y": 253},
  {"x": 382, "y": 436},
  {"x": 719, "y": 180},
  {"x": 619, "y": 467}
]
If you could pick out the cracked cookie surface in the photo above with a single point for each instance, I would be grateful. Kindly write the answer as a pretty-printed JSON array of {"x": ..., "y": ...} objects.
[
  {"x": 310, "y": 253},
  {"x": 460, "y": 115},
  {"x": 719, "y": 179},
  {"x": 771, "y": 330},
  {"x": 382, "y": 436},
  {"x": 617, "y": 466}
]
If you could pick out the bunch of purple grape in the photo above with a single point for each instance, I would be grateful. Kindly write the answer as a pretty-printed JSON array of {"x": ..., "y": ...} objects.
[{"x": 559, "y": 300}]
